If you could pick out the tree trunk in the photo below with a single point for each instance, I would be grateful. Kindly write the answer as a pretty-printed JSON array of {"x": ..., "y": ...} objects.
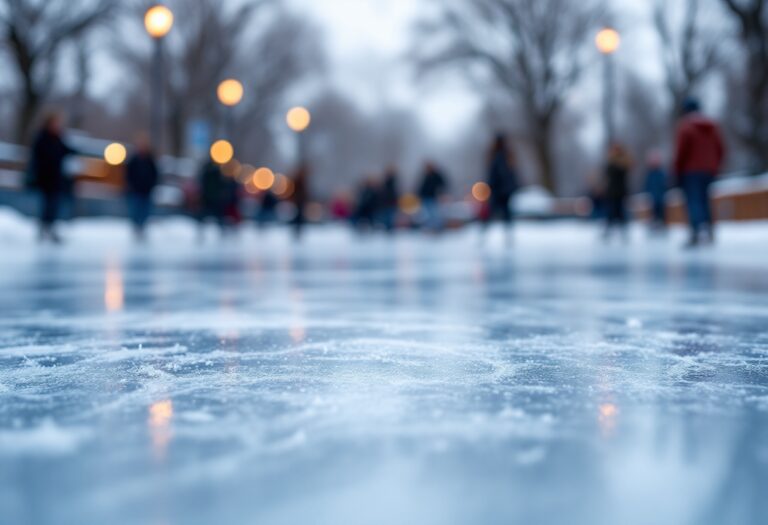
[
  {"x": 543, "y": 149},
  {"x": 26, "y": 116}
]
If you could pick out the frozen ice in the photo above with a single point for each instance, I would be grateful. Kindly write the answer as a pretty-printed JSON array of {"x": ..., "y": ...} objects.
[{"x": 414, "y": 379}]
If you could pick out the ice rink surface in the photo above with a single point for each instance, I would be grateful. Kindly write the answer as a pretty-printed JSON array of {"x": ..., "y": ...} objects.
[{"x": 382, "y": 381}]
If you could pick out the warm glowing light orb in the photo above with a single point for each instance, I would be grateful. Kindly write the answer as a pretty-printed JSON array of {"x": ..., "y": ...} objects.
[
  {"x": 481, "y": 192},
  {"x": 264, "y": 179},
  {"x": 410, "y": 204},
  {"x": 298, "y": 119},
  {"x": 115, "y": 154},
  {"x": 158, "y": 21},
  {"x": 231, "y": 92},
  {"x": 608, "y": 41},
  {"x": 222, "y": 152}
]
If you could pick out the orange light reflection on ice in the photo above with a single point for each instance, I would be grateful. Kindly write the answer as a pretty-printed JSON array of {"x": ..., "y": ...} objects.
[
  {"x": 160, "y": 419},
  {"x": 114, "y": 292}
]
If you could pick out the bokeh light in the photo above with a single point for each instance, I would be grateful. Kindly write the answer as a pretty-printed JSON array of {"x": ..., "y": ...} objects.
[
  {"x": 222, "y": 152},
  {"x": 608, "y": 41},
  {"x": 158, "y": 21},
  {"x": 410, "y": 204},
  {"x": 115, "y": 154},
  {"x": 264, "y": 179},
  {"x": 481, "y": 192},
  {"x": 231, "y": 92},
  {"x": 298, "y": 119}
]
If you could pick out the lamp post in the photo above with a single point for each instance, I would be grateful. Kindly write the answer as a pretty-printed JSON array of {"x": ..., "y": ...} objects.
[
  {"x": 608, "y": 41},
  {"x": 230, "y": 93},
  {"x": 299, "y": 119},
  {"x": 158, "y": 21}
]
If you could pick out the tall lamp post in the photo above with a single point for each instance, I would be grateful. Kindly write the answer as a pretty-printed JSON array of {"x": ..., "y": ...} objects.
[
  {"x": 158, "y": 21},
  {"x": 230, "y": 93},
  {"x": 298, "y": 120},
  {"x": 608, "y": 41}
]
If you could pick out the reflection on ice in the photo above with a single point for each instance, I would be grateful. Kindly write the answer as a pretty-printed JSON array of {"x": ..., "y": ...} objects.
[{"x": 160, "y": 419}]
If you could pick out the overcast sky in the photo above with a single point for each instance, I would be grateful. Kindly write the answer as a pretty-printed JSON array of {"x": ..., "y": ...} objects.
[{"x": 367, "y": 41}]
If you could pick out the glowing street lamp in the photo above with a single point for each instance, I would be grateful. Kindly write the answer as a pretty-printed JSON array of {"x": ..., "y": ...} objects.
[
  {"x": 115, "y": 154},
  {"x": 222, "y": 152},
  {"x": 158, "y": 21},
  {"x": 298, "y": 119},
  {"x": 608, "y": 42},
  {"x": 230, "y": 92}
]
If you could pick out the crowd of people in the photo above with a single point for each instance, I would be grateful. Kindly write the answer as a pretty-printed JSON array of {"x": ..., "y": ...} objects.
[{"x": 699, "y": 156}]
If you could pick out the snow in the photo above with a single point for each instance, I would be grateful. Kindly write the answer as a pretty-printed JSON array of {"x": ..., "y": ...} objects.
[{"x": 375, "y": 380}]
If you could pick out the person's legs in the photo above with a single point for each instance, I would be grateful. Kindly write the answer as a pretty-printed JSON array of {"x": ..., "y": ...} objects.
[
  {"x": 659, "y": 212},
  {"x": 49, "y": 213},
  {"x": 694, "y": 197},
  {"x": 706, "y": 204}
]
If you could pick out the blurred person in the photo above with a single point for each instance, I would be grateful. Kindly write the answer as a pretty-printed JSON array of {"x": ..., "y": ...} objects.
[
  {"x": 341, "y": 207},
  {"x": 367, "y": 205},
  {"x": 616, "y": 176},
  {"x": 433, "y": 187},
  {"x": 699, "y": 156},
  {"x": 301, "y": 198},
  {"x": 656, "y": 186},
  {"x": 141, "y": 179},
  {"x": 49, "y": 152},
  {"x": 389, "y": 200},
  {"x": 267, "y": 213},
  {"x": 211, "y": 196},
  {"x": 231, "y": 197},
  {"x": 503, "y": 182}
]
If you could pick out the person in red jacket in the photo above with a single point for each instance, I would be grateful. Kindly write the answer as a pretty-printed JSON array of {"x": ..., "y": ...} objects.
[{"x": 698, "y": 159}]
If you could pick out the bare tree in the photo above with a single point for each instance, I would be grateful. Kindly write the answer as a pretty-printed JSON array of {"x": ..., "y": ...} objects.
[
  {"x": 255, "y": 41},
  {"x": 33, "y": 33},
  {"x": 534, "y": 48},
  {"x": 751, "y": 126},
  {"x": 689, "y": 51},
  {"x": 201, "y": 48}
]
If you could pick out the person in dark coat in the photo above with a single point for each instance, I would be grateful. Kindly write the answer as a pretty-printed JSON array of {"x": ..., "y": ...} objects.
[
  {"x": 389, "y": 200},
  {"x": 367, "y": 205},
  {"x": 699, "y": 156},
  {"x": 267, "y": 209},
  {"x": 656, "y": 186},
  {"x": 502, "y": 180},
  {"x": 231, "y": 202},
  {"x": 211, "y": 195},
  {"x": 141, "y": 178},
  {"x": 48, "y": 154},
  {"x": 617, "y": 190},
  {"x": 433, "y": 187},
  {"x": 301, "y": 198}
]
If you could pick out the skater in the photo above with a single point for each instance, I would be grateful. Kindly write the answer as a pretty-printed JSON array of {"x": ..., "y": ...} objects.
[
  {"x": 433, "y": 187},
  {"x": 389, "y": 200},
  {"x": 47, "y": 163},
  {"x": 300, "y": 200},
  {"x": 617, "y": 190},
  {"x": 656, "y": 186},
  {"x": 502, "y": 179},
  {"x": 267, "y": 213},
  {"x": 211, "y": 196},
  {"x": 367, "y": 205},
  {"x": 141, "y": 178},
  {"x": 699, "y": 156}
]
